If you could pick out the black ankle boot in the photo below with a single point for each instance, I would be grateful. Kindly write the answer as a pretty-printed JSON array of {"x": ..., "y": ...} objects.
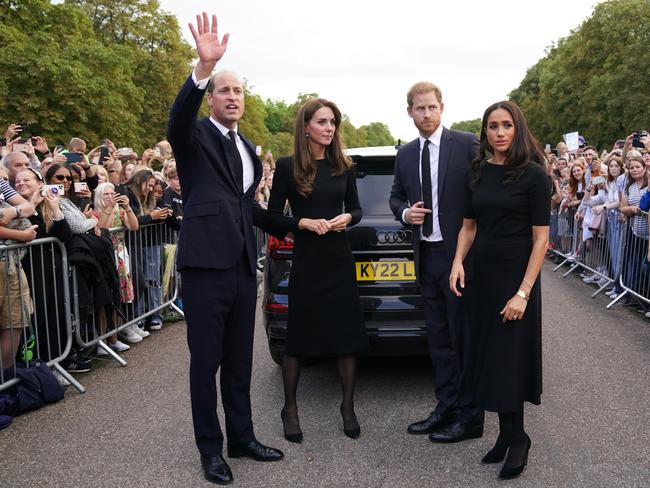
[{"x": 517, "y": 458}]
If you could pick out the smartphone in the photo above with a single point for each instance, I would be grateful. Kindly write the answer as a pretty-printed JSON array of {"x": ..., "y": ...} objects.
[
  {"x": 24, "y": 129},
  {"x": 80, "y": 186},
  {"x": 73, "y": 157},
  {"x": 547, "y": 148},
  {"x": 597, "y": 180},
  {"x": 21, "y": 146},
  {"x": 636, "y": 139},
  {"x": 556, "y": 152},
  {"x": 55, "y": 189},
  {"x": 120, "y": 190},
  {"x": 104, "y": 154},
  {"x": 34, "y": 141},
  {"x": 59, "y": 148}
]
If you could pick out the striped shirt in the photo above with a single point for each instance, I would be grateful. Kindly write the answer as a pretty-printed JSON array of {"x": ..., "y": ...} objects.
[
  {"x": 6, "y": 192},
  {"x": 639, "y": 223}
]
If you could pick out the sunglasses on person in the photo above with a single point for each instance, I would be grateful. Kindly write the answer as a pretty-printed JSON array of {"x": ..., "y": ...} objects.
[{"x": 62, "y": 177}]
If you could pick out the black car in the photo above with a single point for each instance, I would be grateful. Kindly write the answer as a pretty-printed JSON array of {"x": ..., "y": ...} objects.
[{"x": 383, "y": 254}]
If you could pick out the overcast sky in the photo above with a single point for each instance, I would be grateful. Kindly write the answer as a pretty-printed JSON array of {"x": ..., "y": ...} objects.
[{"x": 364, "y": 55}]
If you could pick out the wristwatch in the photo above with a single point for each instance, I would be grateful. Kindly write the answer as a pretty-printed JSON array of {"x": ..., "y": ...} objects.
[{"x": 522, "y": 294}]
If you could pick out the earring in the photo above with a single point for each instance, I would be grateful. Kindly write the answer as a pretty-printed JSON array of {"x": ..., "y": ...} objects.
[{"x": 307, "y": 134}]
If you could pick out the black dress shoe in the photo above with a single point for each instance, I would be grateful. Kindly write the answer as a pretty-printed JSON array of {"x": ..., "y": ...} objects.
[
  {"x": 293, "y": 424},
  {"x": 216, "y": 470},
  {"x": 456, "y": 432},
  {"x": 434, "y": 422},
  {"x": 255, "y": 450}
]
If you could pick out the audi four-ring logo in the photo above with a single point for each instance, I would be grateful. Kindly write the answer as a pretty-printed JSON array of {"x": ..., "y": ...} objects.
[{"x": 394, "y": 236}]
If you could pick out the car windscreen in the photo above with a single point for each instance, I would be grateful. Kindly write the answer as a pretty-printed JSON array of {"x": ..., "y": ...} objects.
[{"x": 374, "y": 181}]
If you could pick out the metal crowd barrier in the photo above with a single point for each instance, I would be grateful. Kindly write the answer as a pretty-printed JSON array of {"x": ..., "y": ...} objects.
[
  {"x": 260, "y": 244},
  {"x": 616, "y": 253},
  {"x": 149, "y": 255},
  {"x": 35, "y": 299},
  {"x": 634, "y": 269}
]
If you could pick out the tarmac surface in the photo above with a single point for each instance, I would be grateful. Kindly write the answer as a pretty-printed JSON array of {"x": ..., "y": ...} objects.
[{"x": 132, "y": 428}]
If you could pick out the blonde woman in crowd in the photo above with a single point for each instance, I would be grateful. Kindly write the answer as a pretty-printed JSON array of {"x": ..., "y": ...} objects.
[{"x": 113, "y": 210}]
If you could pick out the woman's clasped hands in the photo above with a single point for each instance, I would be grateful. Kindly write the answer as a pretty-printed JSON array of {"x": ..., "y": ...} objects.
[{"x": 323, "y": 226}]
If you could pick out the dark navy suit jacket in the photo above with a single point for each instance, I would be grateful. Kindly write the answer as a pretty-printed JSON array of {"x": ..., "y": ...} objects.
[
  {"x": 218, "y": 216},
  {"x": 457, "y": 150}
]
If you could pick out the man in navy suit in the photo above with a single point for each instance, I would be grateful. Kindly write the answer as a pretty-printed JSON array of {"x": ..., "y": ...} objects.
[
  {"x": 219, "y": 172},
  {"x": 429, "y": 191}
]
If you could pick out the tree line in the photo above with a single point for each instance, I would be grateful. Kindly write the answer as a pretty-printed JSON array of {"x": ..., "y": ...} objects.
[
  {"x": 594, "y": 81},
  {"x": 111, "y": 68}
]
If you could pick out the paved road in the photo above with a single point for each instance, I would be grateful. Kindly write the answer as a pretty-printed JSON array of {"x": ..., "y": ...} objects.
[{"x": 133, "y": 429}]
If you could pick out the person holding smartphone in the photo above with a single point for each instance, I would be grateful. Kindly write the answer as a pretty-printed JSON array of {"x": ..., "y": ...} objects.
[{"x": 145, "y": 246}]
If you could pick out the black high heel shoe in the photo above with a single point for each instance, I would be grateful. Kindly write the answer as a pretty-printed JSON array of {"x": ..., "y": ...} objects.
[
  {"x": 349, "y": 428},
  {"x": 295, "y": 437},
  {"x": 508, "y": 472},
  {"x": 498, "y": 452}
]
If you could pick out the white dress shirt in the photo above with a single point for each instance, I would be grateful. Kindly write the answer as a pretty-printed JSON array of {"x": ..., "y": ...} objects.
[
  {"x": 434, "y": 152},
  {"x": 248, "y": 170}
]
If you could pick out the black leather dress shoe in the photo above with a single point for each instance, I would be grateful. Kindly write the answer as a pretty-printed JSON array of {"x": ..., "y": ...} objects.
[
  {"x": 456, "y": 432},
  {"x": 434, "y": 422},
  {"x": 255, "y": 450},
  {"x": 216, "y": 470}
]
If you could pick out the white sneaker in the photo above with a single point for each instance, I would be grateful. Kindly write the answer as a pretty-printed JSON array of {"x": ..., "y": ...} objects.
[
  {"x": 155, "y": 325},
  {"x": 647, "y": 315},
  {"x": 602, "y": 281},
  {"x": 60, "y": 378},
  {"x": 101, "y": 351},
  {"x": 118, "y": 346},
  {"x": 141, "y": 332},
  {"x": 590, "y": 279},
  {"x": 610, "y": 293},
  {"x": 130, "y": 334}
]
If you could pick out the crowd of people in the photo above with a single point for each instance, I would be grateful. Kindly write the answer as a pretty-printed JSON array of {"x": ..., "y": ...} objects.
[
  {"x": 82, "y": 197},
  {"x": 599, "y": 207}
]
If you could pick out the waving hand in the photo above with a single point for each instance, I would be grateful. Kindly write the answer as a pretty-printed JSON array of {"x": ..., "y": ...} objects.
[{"x": 208, "y": 46}]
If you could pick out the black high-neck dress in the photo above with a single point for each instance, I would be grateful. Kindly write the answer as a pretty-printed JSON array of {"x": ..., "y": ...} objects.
[
  {"x": 505, "y": 363},
  {"x": 325, "y": 316}
]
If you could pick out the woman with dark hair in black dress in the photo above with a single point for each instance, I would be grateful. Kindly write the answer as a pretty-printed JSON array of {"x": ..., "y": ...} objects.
[
  {"x": 507, "y": 223},
  {"x": 325, "y": 317}
]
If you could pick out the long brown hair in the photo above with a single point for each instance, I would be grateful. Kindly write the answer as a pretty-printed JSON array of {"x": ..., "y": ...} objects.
[
  {"x": 523, "y": 151},
  {"x": 304, "y": 168},
  {"x": 148, "y": 203},
  {"x": 573, "y": 183}
]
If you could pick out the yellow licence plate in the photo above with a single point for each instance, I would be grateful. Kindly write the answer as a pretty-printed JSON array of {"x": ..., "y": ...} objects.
[{"x": 385, "y": 271}]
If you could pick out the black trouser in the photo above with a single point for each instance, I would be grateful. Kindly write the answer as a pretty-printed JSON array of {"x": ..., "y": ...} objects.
[
  {"x": 219, "y": 308},
  {"x": 445, "y": 331}
]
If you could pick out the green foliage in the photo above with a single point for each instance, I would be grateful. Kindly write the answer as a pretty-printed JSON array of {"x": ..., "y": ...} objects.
[
  {"x": 595, "y": 80},
  {"x": 473, "y": 125},
  {"x": 111, "y": 68}
]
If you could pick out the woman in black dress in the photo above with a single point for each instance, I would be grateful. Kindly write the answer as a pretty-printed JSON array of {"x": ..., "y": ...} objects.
[
  {"x": 507, "y": 222},
  {"x": 325, "y": 317}
]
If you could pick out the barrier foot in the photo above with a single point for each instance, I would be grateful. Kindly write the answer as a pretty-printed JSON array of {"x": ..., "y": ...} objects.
[
  {"x": 613, "y": 302},
  {"x": 173, "y": 305},
  {"x": 600, "y": 290},
  {"x": 111, "y": 353},
  {"x": 560, "y": 265},
  {"x": 576, "y": 265},
  {"x": 78, "y": 386}
]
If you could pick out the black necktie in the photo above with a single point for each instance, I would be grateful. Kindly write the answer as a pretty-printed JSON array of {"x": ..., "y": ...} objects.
[
  {"x": 237, "y": 164},
  {"x": 427, "y": 197}
]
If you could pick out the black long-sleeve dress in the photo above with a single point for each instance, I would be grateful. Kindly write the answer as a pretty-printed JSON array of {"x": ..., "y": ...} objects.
[
  {"x": 505, "y": 365},
  {"x": 325, "y": 317}
]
